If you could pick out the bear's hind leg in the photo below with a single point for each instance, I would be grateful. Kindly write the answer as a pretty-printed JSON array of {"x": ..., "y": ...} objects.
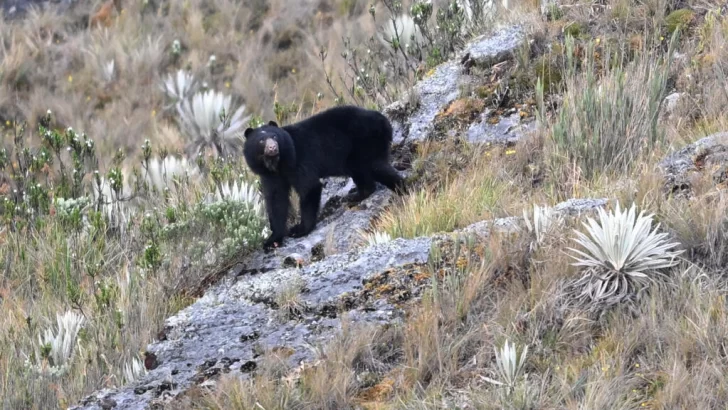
[
  {"x": 310, "y": 201},
  {"x": 365, "y": 186}
]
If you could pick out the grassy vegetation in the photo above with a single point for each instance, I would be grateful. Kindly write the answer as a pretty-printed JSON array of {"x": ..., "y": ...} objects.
[
  {"x": 517, "y": 306},
  {"x": 119, "y": 223}
]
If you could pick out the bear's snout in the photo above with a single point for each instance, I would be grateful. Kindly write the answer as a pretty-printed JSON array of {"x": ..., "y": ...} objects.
[{"x": 271, "y": 148}]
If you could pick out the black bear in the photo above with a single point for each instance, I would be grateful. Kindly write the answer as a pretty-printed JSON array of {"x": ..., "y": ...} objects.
[{"x": 341, "y": 141}]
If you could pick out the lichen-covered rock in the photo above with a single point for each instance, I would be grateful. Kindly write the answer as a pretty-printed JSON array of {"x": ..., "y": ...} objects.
[
  {"x": 226, "y": 329},
  {"x": 571, "y": 207},
  {"x": 239, "y": 318},
  {"x": 576, "y": 206},
  {"x": 490, "y": 49},
  {"x": 507, "y": 130},
  {"x": 441, "y": 87},
  {"x": 707, "y": 155}
]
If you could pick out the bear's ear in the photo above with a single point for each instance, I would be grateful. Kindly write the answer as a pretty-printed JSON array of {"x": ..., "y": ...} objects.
[
  {"x": 248, "y": 131},
  {"x": 272, "y": 123}
]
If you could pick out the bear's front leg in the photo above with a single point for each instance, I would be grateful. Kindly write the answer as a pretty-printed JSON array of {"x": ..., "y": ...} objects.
[
  {"x": 275, "y": 192},
  {"x": 310, "y": 200}
]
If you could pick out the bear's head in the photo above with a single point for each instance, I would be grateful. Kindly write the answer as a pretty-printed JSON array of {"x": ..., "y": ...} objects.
[{"x": 269, "y": 149}]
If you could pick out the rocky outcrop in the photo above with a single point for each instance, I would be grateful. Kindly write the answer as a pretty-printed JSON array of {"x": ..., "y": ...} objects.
[
  {"x": 413, "y": 118},
  {"x": 508, "y": 130},
  {"x": 243, "y": 315},
  {"x": 227, "y": 329},
  {"x": 708, "y": 155}
]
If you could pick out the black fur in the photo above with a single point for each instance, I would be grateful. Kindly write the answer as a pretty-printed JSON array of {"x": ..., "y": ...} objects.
[{"x": 342, "y": 141}]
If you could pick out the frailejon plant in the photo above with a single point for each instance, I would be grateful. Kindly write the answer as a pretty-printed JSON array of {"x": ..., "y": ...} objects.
[
  {"x": 179, "y": 86},
  {"x": 401, "y": 31},
  {"x": 376, "y": 238},
  {"x": 620, "y": 257},
  {"x": 163, "y": 174},
  {"x": 55, "y": 350},
  {"x": 206, "y": 120},
  {"x": 133, "y": 370},
  {"x": 544, "y": 221},
  {"x": 509, "y": 365},
  {"x": 240, "y": 192}
]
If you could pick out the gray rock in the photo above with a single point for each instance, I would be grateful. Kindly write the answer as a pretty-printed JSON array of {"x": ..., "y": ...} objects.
[
  {"x": 235, "y": 318},
  {"x": 671, "y": 103},
  {"x": 508, "y": 130},
  {"x": 441, "y": 88},
  {"x": 488, "y": 49},
  {"x": 482, "y": 229},
  {"x": 711, "y": 153},
  {"x": 576, "y": 206}
]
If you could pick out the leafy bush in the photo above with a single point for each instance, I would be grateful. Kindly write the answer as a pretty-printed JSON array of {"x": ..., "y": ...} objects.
[
  {"x": 240, "y": 224},
  {"x": 406, "y": 43}
]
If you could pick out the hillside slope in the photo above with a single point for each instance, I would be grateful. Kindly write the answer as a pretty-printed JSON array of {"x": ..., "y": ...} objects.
[{"x": 564, "y": 246}]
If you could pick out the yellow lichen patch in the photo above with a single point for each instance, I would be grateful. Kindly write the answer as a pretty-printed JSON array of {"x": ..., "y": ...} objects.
[
  {"x": 421, "y": 276},
  {"x": 375, "y": 396},
  {"x": 463, "y": 109},
  {"x": 430, "y": 72}
]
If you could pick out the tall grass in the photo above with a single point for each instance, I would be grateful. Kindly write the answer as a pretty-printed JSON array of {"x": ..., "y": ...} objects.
[
  {"x": 478, "y": 193},
  {"x": 611, "y": 109}
]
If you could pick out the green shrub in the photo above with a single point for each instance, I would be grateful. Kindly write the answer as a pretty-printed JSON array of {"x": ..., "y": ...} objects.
[{"x": 679, "y": 19}]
